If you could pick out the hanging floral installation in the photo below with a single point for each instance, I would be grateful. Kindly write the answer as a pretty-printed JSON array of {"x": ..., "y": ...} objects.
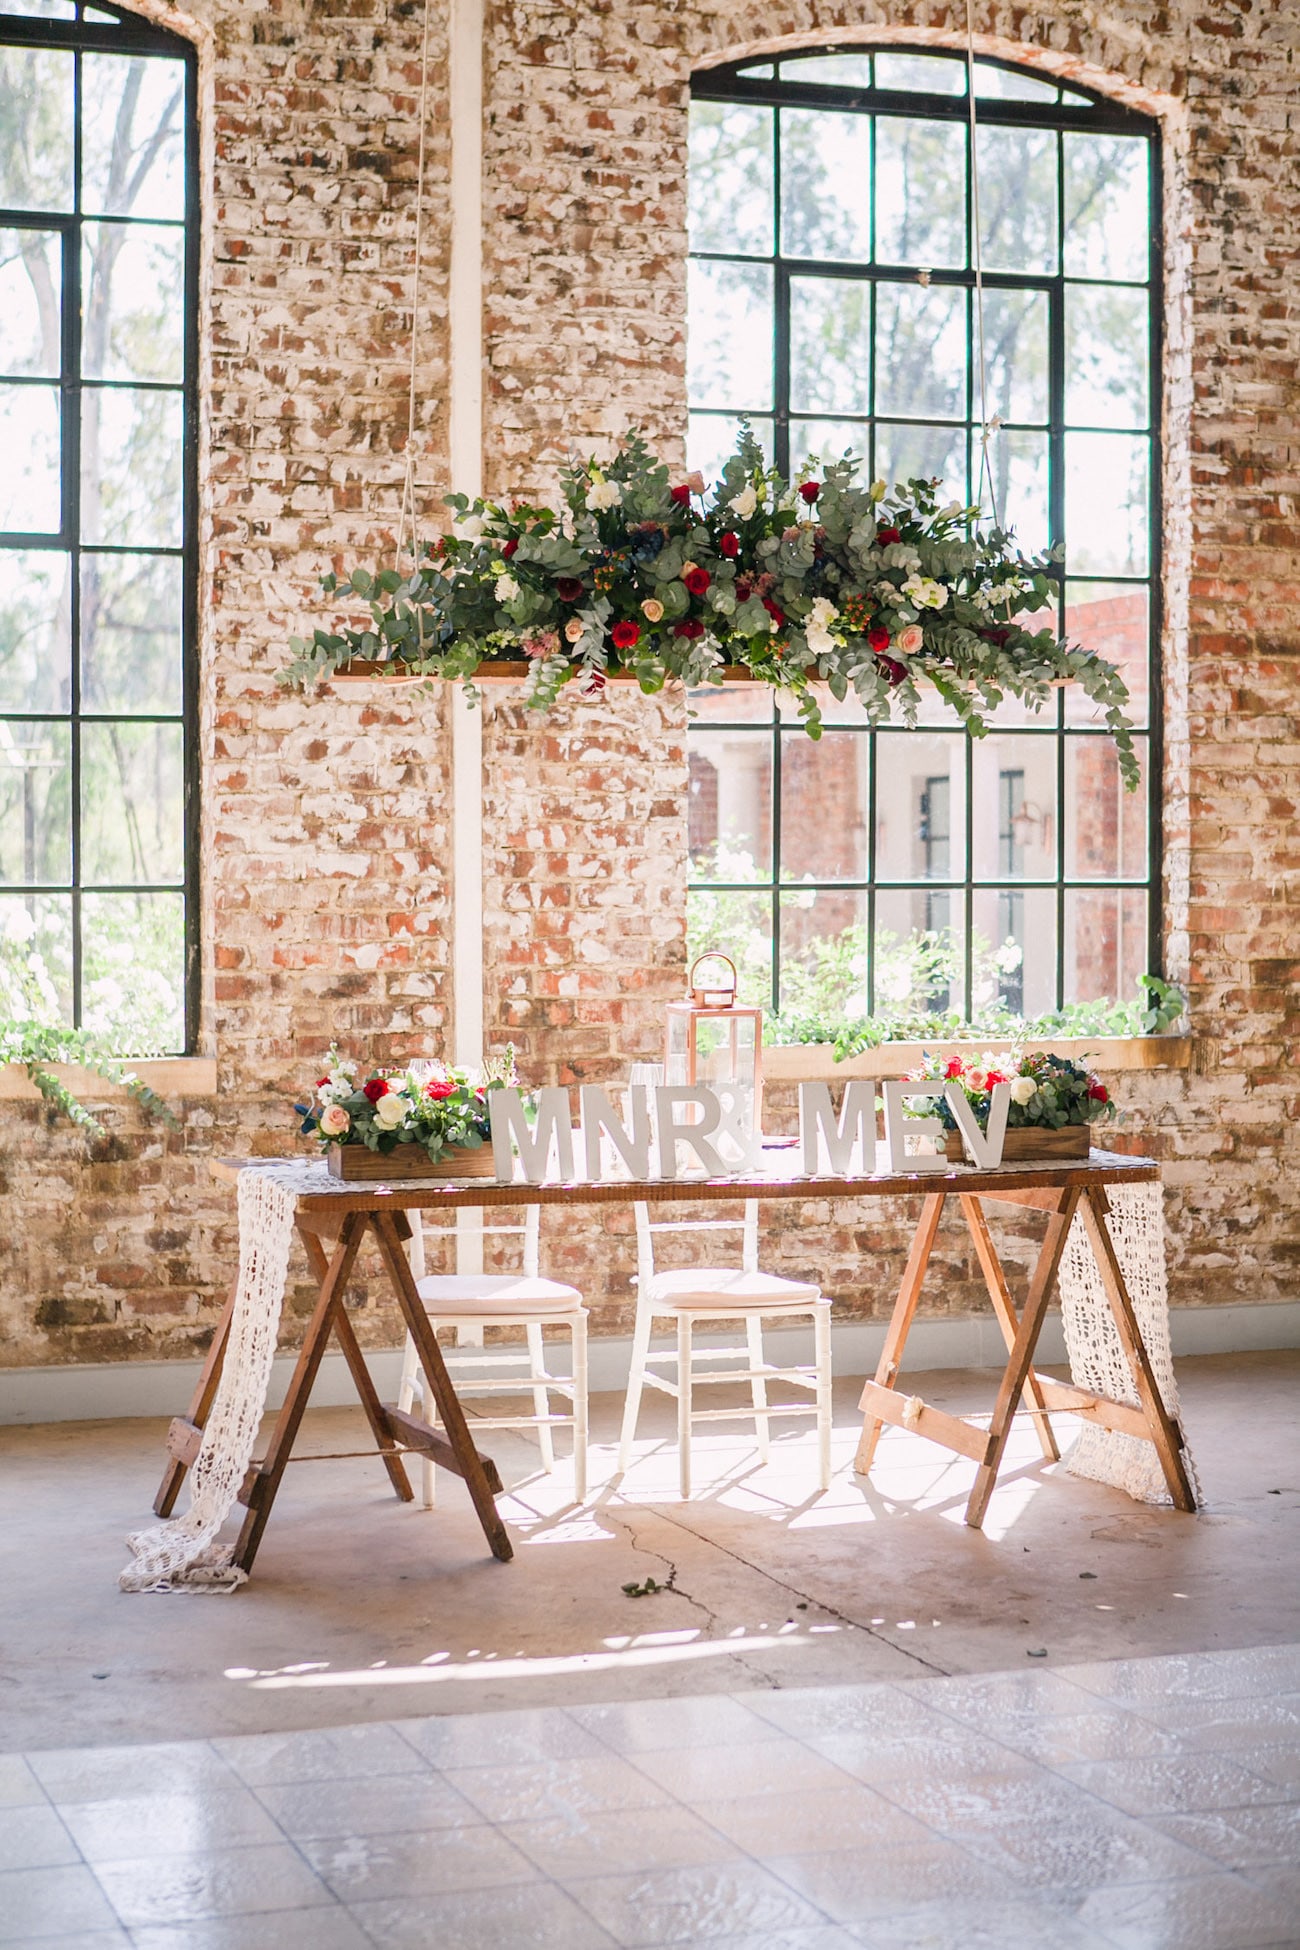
[{"x": 817, "y": 580}]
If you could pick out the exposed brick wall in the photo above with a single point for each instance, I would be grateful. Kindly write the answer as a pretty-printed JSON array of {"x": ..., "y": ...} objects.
[{"x": 327, "y": 824}]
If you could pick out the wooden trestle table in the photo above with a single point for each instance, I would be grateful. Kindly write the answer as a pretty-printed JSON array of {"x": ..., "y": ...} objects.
[{"x": 333, "y": 1225}]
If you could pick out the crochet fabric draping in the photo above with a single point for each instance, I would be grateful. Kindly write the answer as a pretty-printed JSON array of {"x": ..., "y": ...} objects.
[{"x": 1097, "y": 1359}]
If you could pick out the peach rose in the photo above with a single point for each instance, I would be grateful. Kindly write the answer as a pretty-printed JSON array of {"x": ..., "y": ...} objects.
[
  {"x": 335, "y": 1122},
  {"x": 652, "y": 609},
  {"x": 574, "y": 628},
  {"x": 909, "y": 641}
]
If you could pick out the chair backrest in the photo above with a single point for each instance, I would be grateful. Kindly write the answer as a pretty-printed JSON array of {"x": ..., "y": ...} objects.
[
  {"x": 529, "y": 1232},
  {"x": 646, "y": 1228}
]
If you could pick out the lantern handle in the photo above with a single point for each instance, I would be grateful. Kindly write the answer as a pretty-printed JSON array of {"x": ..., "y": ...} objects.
[{"x": 713, "y": 954}]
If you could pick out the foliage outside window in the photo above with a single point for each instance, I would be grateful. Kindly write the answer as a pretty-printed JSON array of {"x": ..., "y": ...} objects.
[
  {"x": 98, "y": 904},
  {"x": 902, "y": 877}
]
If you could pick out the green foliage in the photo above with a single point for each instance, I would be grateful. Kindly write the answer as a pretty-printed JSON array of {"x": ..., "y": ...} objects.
[
  {"x": 37, "y": 1045},
  {"x": 427, "y": 1104},
  {"x": 1047, "y": 1092}
]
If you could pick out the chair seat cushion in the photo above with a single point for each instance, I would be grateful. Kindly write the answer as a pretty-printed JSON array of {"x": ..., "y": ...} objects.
[
  {"x": 726, "y": 1286},
  {"x": 495, "y": 1293}
]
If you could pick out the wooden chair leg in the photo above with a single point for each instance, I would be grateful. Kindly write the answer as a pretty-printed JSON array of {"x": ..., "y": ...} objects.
[
  {"x": 758, "y": 1387},
  {"x": 541, "y": 1400},
  {"x": 891, "y": 1355},
  {"x": 1007, "y": 1319},
  {"x": 684, "y": 1405}
]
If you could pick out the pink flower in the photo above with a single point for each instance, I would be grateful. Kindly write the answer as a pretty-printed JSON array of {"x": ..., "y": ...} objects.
[
  {"x": 334, "y": 1121},
  {"x": 438, "y": 1088},
  {"x": 910, "y": 640}
]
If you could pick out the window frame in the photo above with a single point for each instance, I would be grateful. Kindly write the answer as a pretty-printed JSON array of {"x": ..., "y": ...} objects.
[
  {"x": 728, "y": 84},
  {"x": 126, "y": 33}
]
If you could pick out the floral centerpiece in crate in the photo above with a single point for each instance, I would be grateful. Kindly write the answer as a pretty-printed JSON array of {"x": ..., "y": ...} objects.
[
  {"x": 427, "y": 1121},
  {"x": 1054, "y": 1102},
  {"x": 816, "y": 580}
]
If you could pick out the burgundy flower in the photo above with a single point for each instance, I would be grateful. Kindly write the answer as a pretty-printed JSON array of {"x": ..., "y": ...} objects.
[
  {"x": 681, "y": 495},
  {"x": 810, "y": 490},
  {"x": 508, "y": 548},
  {"x": 744, "y": 589},
  {"x": 890, "y": 670},
  {"x": 878, "y": 638},
  {"x": 884, "y": 536},
  {"x": 774, "y": 610},
  {"x": 624, "y": 635},
  {"x": 697, "y": 581},
  {"x": 690, "y": 628},
  {"x": 568, "y": 588},
  {"x": 729, "y": 544},
  {"x": 375, "y": 1089}
]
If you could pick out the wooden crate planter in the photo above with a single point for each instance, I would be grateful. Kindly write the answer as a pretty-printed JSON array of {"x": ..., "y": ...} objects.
[
  {"x": 358, "y": 1162},
  {"x": 1031, "y": 1144}
]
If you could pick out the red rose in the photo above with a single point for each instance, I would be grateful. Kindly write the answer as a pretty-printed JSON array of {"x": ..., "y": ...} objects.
[
  {"x": 890, "y": 670},
  {"x": 884, "y": 536},
  {"x": 994, "y": 1076},
  {"x": 508, "y": 548},
  {"x": 321, "y": 1082},
  {"x": 954, "y": 1067},
  {"x": 682, "y": 496},
  {"x": 774, "y": 610},
  {"x": 691, "y": 628},
  {"x": 568, "y": 588},
  {"x": 625, "y": 635},
  {"x": 1098, "y": 1092},
  {"x": 878, "y": 638},
  {"x": 697, "y": 581},
  {"x": 729, "y": 545},
  {"x": 438, "y": 1088},
  {"x": 810, "y": 490},
  {"x": 375, "y": 1089}
]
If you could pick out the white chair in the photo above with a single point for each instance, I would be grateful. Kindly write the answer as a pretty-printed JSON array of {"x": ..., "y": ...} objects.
[
  {"x": 470, "y": 1302},
  {"x": 709, "y": 1293}
]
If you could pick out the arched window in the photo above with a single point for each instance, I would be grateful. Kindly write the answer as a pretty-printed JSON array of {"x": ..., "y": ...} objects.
[
  {"x": 833, "y": 302},
  {"x": 98, "y": 278}
]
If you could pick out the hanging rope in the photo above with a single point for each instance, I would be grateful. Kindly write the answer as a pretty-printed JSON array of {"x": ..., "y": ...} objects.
[
  {"x": 988, "y": 425},
  {"x": 406, "y": 523}
]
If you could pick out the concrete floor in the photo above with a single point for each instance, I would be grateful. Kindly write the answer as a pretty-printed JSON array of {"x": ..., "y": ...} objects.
[{"x": 362, "y": 1609}]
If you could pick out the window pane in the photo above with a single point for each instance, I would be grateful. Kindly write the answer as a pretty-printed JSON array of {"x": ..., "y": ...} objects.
[
  {"x": 132, "y": 797},
  {"x": 36, "y": 957},
  {"x": 1018, "y": 462},
  {"x": 131, "y": 641},
  {"x": 833, "y": 70},
  {"x": 1113, "y": 620},
  {"x": 132, "y": 134},
  {"x": 920, "y": 192},
  {"x": 35, "y": 804},
  {"x": 1105, "y": 944},
  {"x": 920, "y": 950},
  {"x": 824, "y": 806},
  {"x": 824, "y": 954},
  {"x": 920, "y": 806},
  {"x": 43, "y": 9},
  {"x": 131, "y": 467},
  {"x": 29, "y": 481},
  {"x": 730, "y": 704},
  {"x": 921, "y": 351},
  {"x": 35, "y": 128},
  {"x": 31, "y": 292},
  {"x": 1107, "y": 356},
  {"x": 133, "y": 278},
  {"x": 730, "y": 816},
  {"x": 741, "y": 926},
  {"x": 825, "y": 185},
  {"x": 133, "y": 973},
  {"x": 923, "y": 454},
  {"x": 1013, "y": 949},
  {"x": 1000, "y": 84},
  {"x": 1014, "y": 808},
  {"x": 1018, "y": 199},
  {"x": 1107, "y": 206},
  {"x": 827, "y": 440},
  {"x": 35, "y": 612},
  {"x": 1015, "y": 353},
  {"x": 731, "y": 179},
  {"x": 1106, "y": 499},
  {"x": 1105, "y": 827},
  {"x": 921, "y": 74},
  {"x": 729, "y": 337},
  {"x": 711, "y": 440},
  {"x": 830, "y": 345}
]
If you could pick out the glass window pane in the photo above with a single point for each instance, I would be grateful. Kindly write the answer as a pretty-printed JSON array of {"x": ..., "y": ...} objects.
[
  {"x": 131, "y": 641},
  {"x": 1105, "y": 827},
  {"x": 35, "y": 630},
  {"x": 36, "y": 120},
  {"x": 1019, "y": 464},
  {"x": 1107, "y": 206},
  {"x": 825, "y": 185},
  {"x": 1014, "y": 808},
  {"x": 133, "y": 280},
  {"x": 711, "y": 440},
  {"x": 920, "y": 192},
  {"x": 1017, "y": 199},
  {"x": 921, "y": 351},
  {"x": 730, "y": 704},
  {"x": 131, "y": 467},
  {"x": 824, "y": 806},
  {"x": 920, "y": 805},
  {"x": 1013, "y": 949},
  {"x": 830, "y": 345},
  {"x": 29, "y": 481},
  {"x": 833, "y": 70},
  {"x": 731, "y": 178},
  {"x": 729, "y": 336},
  {"x": 1014, "y": 712},
  {"x": 1015, "y": 354},
  {"x": 1105, "y": 943},
  {"x": 31, "y": 294},
  {"x": 1112, "y": 620},
  {"x": 1107, "y": 356},
  {"x": 920, "y": 951},
  {"x": 1106, "y": 502},
  {"x": 35, "y": 803},
  {"x": 921, "y": 74},
  {"x": 132, "y": 797},
  {"x": 132, "y": 134},
  {"x": 36, "y": 957},
  {"x": 741, "y": 926},
  {"x": 1000, "y": 84},
  {"x": 43, "y": 9},
  {"x": 133, "y": 970},
  {"x": 824, "y": 955},
  {"x": 730, "y": 805},
  {"x": 923, "y": 454},
  {"x": 827, "y": 440}
]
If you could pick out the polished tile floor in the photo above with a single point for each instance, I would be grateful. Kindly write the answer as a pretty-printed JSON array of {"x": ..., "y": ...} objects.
[{"x": 1144, "y": 1804}]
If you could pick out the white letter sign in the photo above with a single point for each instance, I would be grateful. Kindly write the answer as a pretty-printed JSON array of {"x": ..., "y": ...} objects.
[
  {"x": 673, "y": 1097},
  {"x": 554, "y": 1131},
  {"x": 599, "y": 1117},
  {"x": 982, "y": 1147},
  {"x": 856, "y": 1126},
  {"x": 899, "y": 1127}
]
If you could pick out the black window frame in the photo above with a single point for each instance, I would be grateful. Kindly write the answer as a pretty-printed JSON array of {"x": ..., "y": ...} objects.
[
  {"x": 125, "y": 33},
  {"x": 1088, "y": 112}
]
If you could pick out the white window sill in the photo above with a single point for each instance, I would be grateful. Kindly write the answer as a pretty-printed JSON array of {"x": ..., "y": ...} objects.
[
  {"x": 815, "y": 1062},
  {"x": 170, "y": 1076}
]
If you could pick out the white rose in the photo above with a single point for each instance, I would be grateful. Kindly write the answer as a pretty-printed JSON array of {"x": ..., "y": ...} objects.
[
  {"x": 507, "y": 589},
  {"x": 392, "y": 1110},
  {"x": 603, "y": 494},
  {"x": 909, "y": 641},
  {"x": 744, "y": 503},
  {"x": 468, "y": 528},
  {"x": 1022, "y": 1089}
]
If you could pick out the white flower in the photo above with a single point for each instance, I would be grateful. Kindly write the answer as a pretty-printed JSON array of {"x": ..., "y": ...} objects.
[
  {"x": 392, "y": 1110},
  {"x": 603, "y": 494},
  {"x": 983, "y": 598},
  {"x": 817, "y": 626},
  {"x": 1022, "y": 1089},
  {"x": 744, "y": 503},
  {"x": 878, "y": 490},
  {"x": 507, "y": 589},
  {"x": 468, "y": 528},
  {"x": 925, "y": 592},
  {"x": 908, "y": 642},
  {"x": 950, "y": 513}
]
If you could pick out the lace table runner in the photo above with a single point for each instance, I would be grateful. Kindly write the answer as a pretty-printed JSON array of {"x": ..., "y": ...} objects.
[{"x": 1097, "y": 1359}]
